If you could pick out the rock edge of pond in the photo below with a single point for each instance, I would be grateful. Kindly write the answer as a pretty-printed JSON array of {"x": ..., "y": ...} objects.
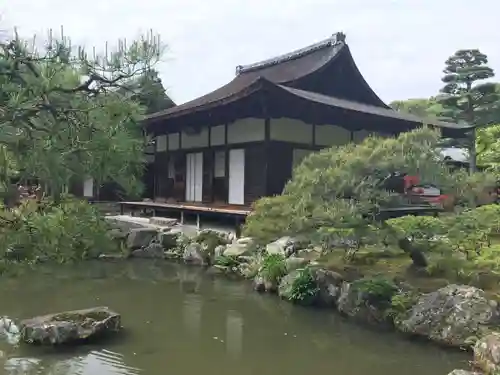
[{"x": 459, "y": 316}]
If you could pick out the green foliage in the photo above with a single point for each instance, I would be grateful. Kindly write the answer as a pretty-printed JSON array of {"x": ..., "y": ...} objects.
[
  {"x": 488, "y": 146},
  {"x": 470, "y": 231},
  {"x": 273, "y": 268},
  {"x": 63, "y": 116},
  {"x": 71, "y": 230},
  {"x": 269, "y": 219},
  {"x": 401, "y": 303},
  {"x": 147, "y": 89},
  {"x": 377, "y": 291},
  {"x": 227, "y": 261},
  {"x": 423, "y": 231},
  {"x": 418, "y": 107},
  {"x": 335, "y": 195},
  {"x": 463, "y": 98},
  {"x": 304, "y": 288}
]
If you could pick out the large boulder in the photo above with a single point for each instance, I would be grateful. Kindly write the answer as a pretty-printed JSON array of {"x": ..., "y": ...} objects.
[
  {"x": 366, "y": 301},
  {"x": 261, "y": 283},
  {"x": 140, "y": 237},
  {"x": 168, "y": 239},
  {"x": 329, "y": 285},
  {"x": 163, "y": 221},
  {"x": 219, "y": 251},
  {"x": 194, "y": 254},
  {"x": 451, "y": 315},
  {"x": 212, "y": 238},
  {"x": 237, "y": 249},
  {"x": 284, "y": 246},
  {"x": 153, "y": 251},
  {"x": 286, "y": 286},
  {"x": 70, "y": 326},
  {"x": 308, "y": 286},
  {"x": 487, "y": 353}
]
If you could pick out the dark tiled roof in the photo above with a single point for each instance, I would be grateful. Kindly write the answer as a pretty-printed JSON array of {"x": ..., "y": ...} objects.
[
  {"x": 281, "y": 70},
  {"x": 365, "y": 108}
]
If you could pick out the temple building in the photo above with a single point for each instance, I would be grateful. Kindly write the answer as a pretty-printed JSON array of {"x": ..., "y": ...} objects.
[{"x": 240, "y": 142}]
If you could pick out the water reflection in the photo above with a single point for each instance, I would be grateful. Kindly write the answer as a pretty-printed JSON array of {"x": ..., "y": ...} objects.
[
  {"x": 192, "y": 308},
  {"x": 234, "y": 333},
  {"x": 180, "y": 321},
  {"x": 94, "y": 363},
  {"x": 25, "y": 366}
]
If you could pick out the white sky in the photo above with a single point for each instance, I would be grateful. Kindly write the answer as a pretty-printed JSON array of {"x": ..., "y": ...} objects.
[{"x": 399, "y": 45}]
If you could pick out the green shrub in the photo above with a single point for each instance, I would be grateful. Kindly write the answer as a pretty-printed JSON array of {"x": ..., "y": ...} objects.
[
  {"x": 273, "y": 268},
  {"x": 401, "y": 303},
  {"x": 338, "y": 192},
  {"x": 227, "y": 261},
  {"x": 270, "y": 219},
  {"x": 470, "y": 231},
  {"x": 304, "y": 288},
  {"x": 68, "y": 231},
  {"x": 377, "y": 291},
  {"x": 423, "y": 231}
]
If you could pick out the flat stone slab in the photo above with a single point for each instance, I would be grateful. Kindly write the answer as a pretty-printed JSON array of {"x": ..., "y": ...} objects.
[{"x": 70, "y": 326}]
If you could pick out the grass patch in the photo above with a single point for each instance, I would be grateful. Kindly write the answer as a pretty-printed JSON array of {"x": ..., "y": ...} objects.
[{"x": 388, "y": 263}]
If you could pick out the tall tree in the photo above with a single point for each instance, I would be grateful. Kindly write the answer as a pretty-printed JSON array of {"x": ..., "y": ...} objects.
[
  {"x": 148, "y": 90},
  {"x": 421, "y": 107},
  {"x": 465, "y": 97},
  {"x": 62, "y": 114}
]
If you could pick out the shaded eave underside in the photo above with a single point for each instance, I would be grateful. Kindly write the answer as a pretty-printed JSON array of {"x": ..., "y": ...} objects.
[
  {"x": 262, "y": 84},
  {"x": 368, "y": 109}
]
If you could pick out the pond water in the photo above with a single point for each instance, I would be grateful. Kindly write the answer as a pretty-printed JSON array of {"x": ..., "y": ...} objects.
[{"x": 181, "y": 321}]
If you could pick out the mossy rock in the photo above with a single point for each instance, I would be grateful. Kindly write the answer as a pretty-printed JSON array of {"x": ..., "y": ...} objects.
[{"x": 70, "y": 326}]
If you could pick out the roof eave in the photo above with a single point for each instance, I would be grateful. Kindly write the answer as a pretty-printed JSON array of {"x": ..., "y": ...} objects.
[{"x": 250, "y": 89}]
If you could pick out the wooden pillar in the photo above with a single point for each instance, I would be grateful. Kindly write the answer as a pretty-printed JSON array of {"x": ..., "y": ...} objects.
[
  {"x": 267, "y": 151},
  {"x": 226, "y": 159}
]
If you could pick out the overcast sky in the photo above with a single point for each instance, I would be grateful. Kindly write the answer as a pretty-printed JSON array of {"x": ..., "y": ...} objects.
[{"x": 399, "y": 45}]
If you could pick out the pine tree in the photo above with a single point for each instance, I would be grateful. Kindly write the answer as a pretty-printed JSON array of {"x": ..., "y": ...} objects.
[
  {"x": 62, "y": 115},
  {"x": 463, "y": 97},
  {"x": 148, "y": 90}
]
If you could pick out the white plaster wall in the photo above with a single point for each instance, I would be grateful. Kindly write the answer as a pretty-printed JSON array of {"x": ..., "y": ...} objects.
[
  {"x": 217, "y": 135},
  {"x": 161, "y": 143},
  {"x": 173, "y": 141},
  {"x": 291, "y": 130},
  {"x": 195, "y": 140},
  {"x": 246, "y": 130},
  {"x": 331, "y": 135}
]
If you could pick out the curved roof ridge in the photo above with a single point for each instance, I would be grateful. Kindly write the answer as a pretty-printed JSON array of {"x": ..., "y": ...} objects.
[{"x": 335, "y": 39}]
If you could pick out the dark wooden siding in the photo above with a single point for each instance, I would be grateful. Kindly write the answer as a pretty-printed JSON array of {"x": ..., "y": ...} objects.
[
  {"x": 161, "y": 175},
  {"x": 255, "y": 172},
  {"x": 279, "y": 166}
]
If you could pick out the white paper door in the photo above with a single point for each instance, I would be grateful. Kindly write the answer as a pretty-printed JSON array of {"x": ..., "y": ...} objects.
[
  {"x": 198, "y": 177},
  {"x": 236, "y": 176},
  {"x": 88, "y": 188},
  {"x": 194, "y": 177},
  {"x": 189, "y": 177}
]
